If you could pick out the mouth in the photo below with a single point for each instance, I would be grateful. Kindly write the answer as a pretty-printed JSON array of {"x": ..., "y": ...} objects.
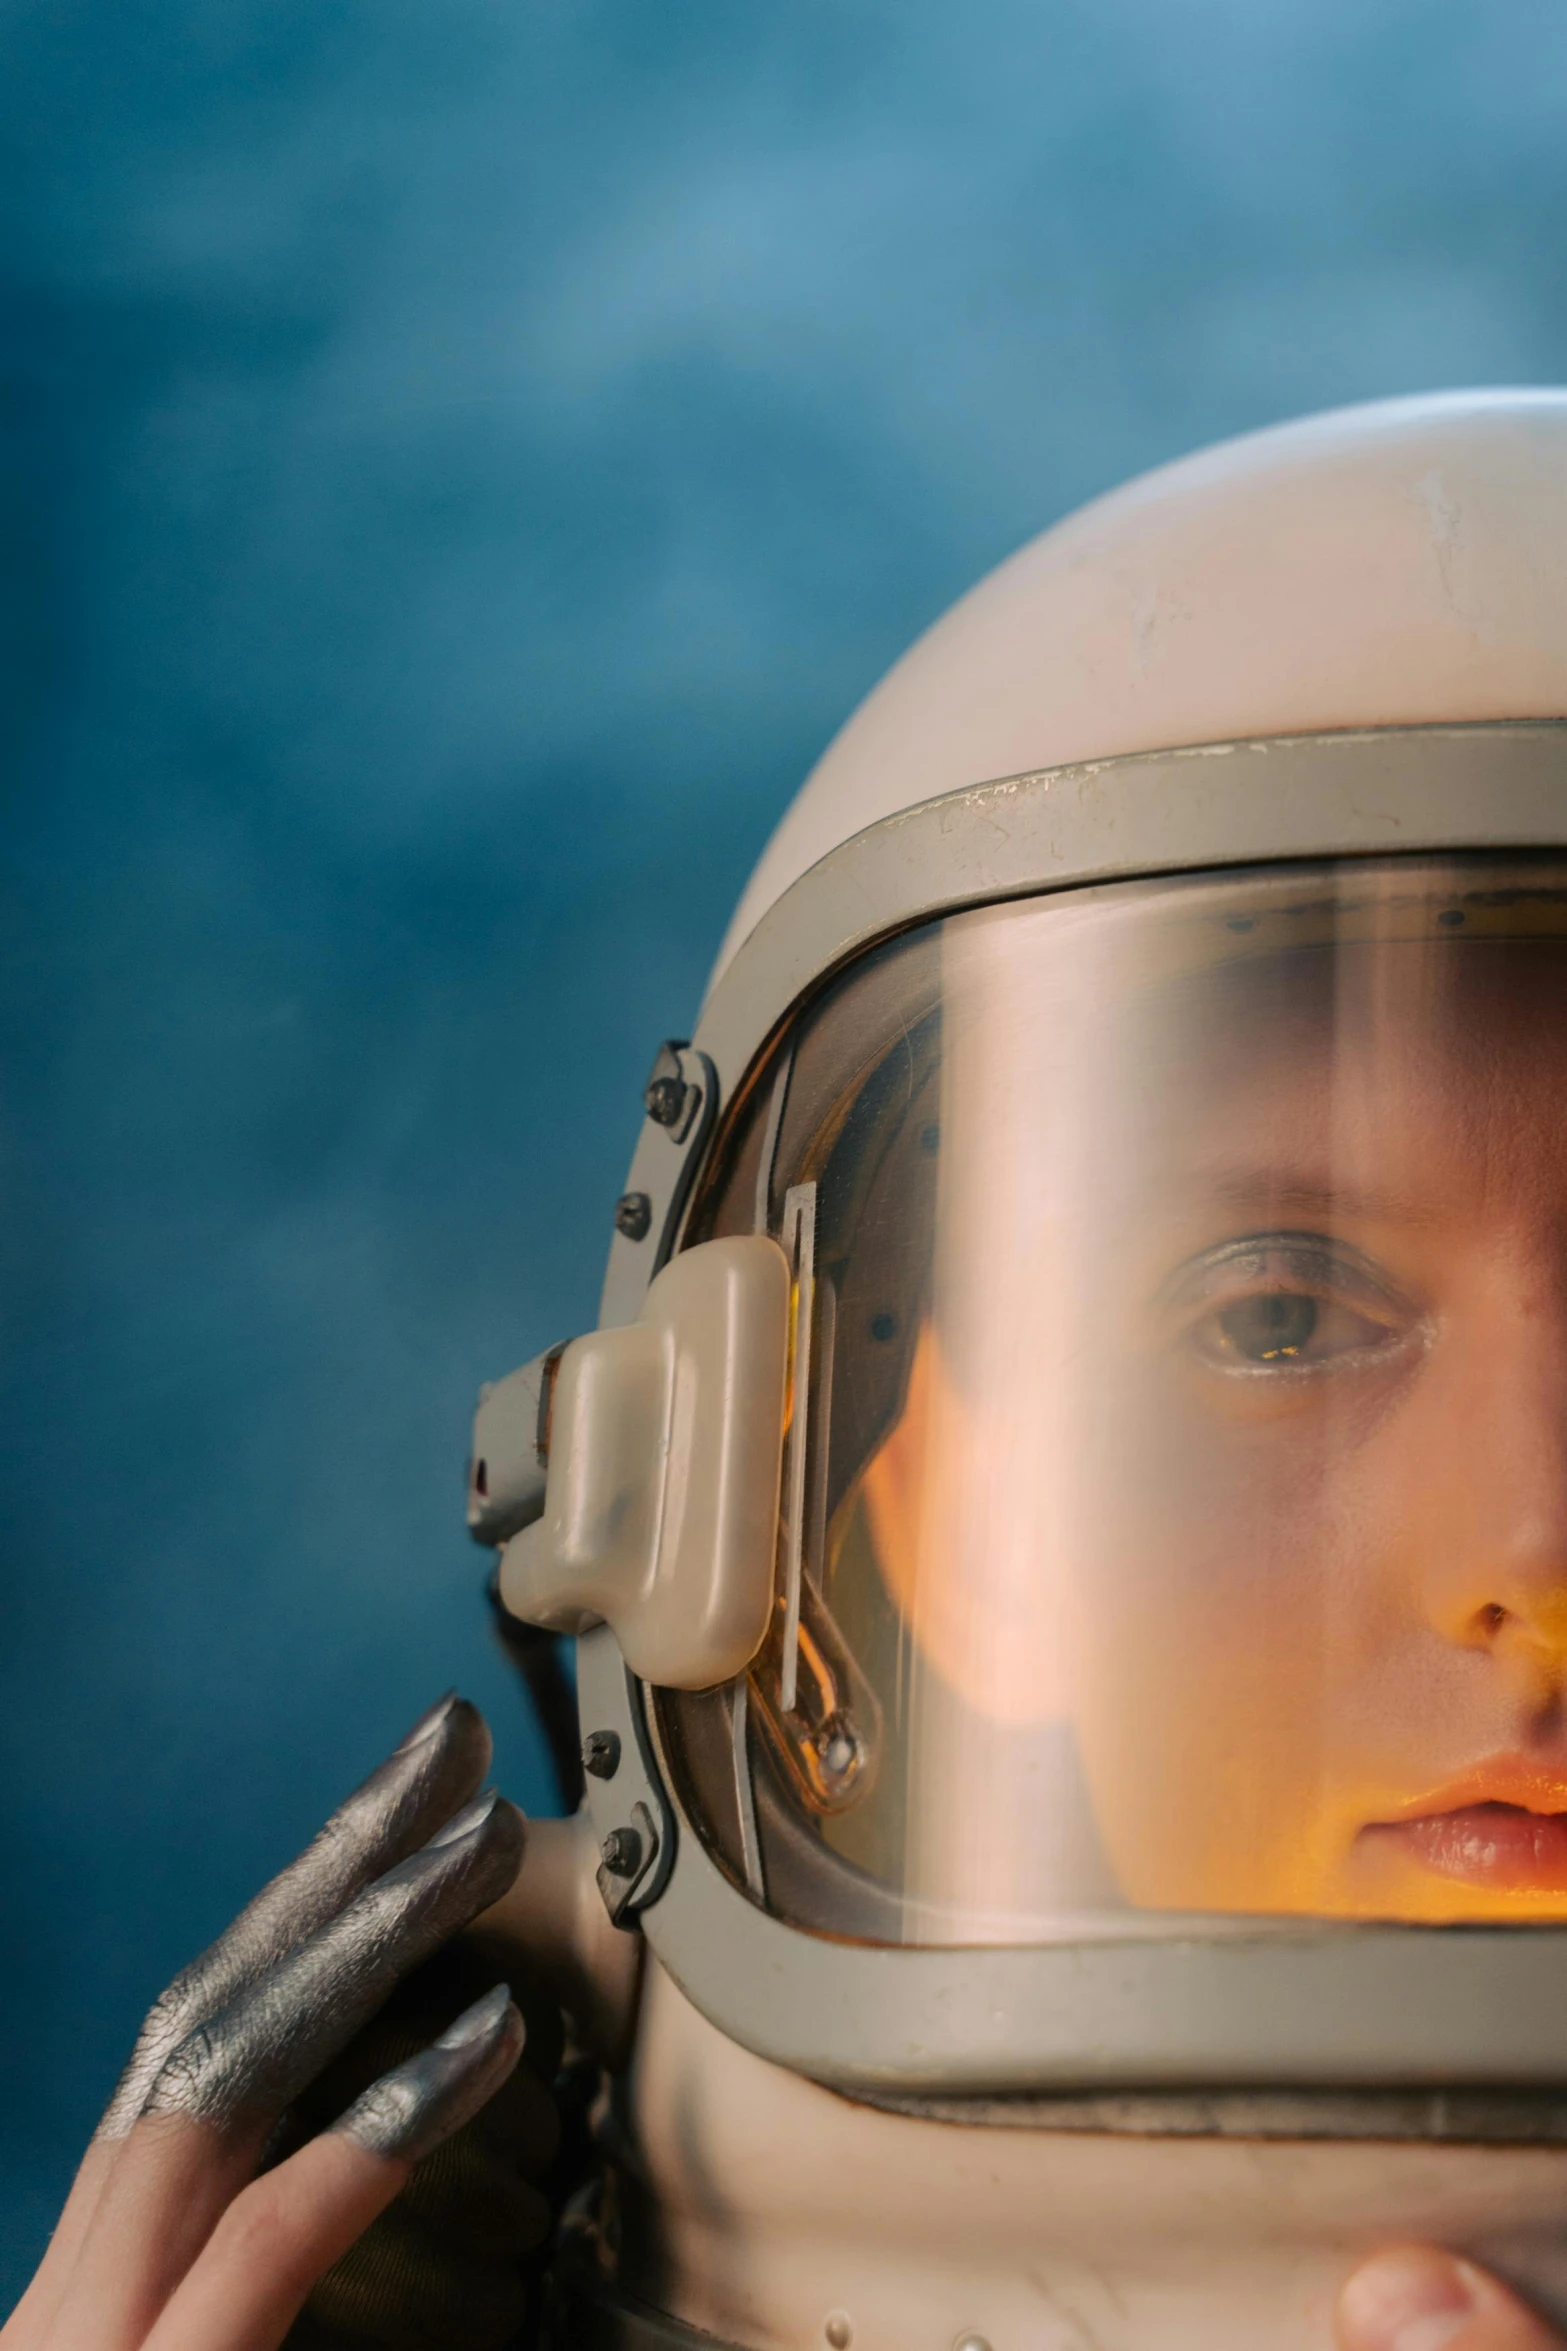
[{"x": 1504, "y": 1829}]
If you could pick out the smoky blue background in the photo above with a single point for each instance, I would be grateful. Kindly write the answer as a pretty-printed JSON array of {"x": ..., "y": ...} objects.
[{"x": 461, "y": 460}]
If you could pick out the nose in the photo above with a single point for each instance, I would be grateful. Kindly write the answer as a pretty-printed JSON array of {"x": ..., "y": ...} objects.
[{"x": 1493, "y": 1513}]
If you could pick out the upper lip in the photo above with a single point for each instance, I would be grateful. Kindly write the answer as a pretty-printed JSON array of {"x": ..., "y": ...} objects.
[{"x": 1519, "y": 1780}]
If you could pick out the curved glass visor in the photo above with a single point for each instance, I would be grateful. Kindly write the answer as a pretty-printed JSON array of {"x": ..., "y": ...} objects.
[{"x": 1175, "y": 1497}]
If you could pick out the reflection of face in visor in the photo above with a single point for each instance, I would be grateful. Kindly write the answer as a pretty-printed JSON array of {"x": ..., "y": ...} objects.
[{"x": 1182, "y": 1523}]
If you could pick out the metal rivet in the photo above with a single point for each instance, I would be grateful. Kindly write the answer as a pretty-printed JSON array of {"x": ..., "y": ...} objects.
[
  {"x": 601, "y": 1754},
  {"x": 633, "y": 1215},
  {"x": 971, "y": 2343},
  {"x": 622, "y": 1853},
  {"x": 839, "y": 2330},
  {"x": 665, "y": 1099}
]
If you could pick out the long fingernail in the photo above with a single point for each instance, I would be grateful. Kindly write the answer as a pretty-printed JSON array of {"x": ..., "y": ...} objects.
[
  {"x": 428, "y": 1724},
  {"x": 417, "y": 2105},
  {"x": 463, "y": 1824},
  {"x": 483, "y": 2017},
  {"x": 1412, "y": 2299}
]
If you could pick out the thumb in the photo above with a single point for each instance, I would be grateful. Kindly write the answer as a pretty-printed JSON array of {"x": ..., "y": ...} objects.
[{"x": 1418, "y": 2298}]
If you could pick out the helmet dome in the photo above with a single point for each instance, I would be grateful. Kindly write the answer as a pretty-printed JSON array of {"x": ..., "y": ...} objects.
[{"x": 1395, "y": 564}]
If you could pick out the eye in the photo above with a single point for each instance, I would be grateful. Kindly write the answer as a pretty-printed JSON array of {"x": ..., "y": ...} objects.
[
  {"x": 1290, "y": 1303},
  {"x": 1275, "y": 1327},
  {"x": 1289, "y": 1329}
]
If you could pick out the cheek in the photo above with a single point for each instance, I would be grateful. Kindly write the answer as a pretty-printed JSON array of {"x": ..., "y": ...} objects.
[{"x": 1208, "y": 1659}]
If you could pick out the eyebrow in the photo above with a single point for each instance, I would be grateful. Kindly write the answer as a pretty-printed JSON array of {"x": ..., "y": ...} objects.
[{"x": 1281, "y": 1191}]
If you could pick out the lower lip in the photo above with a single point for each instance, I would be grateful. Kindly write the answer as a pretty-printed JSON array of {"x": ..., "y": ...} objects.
[{"x": 1495, "y": 1845}]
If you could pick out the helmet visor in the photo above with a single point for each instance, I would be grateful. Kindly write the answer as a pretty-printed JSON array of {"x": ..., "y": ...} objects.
[{"x": 1175, "y": 1497}]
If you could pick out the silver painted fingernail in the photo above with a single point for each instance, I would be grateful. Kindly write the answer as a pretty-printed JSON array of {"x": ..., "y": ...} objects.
[
  {"x": 428, "y": 1724},
  {"x": 463, "y": 1824},
  {"x": 417, "y": 2105},
  {"x": 483, "y": 2017}
]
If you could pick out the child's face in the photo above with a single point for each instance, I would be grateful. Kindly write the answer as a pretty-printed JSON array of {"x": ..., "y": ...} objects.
[{"x": 1282, "y": 1403}]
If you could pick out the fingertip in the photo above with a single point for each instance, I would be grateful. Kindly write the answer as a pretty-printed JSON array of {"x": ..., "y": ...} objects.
[
  {"x": 1423, "y": 2298},
  {"x": 420, "y": 2103},
  {"x": 494, "y": 1834},
  {"x": 511, "y": 1829},
  {"x": 450, "y": 1743},
  {"x": 495, "y": 2014},
  {"x": 428, "y": 1723},
  {"x": 505, "y": 1843},
  {"x": 431, "y": 1774}
]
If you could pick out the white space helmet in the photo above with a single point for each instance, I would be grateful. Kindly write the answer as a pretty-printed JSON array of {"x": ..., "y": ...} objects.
[{"x": 1066, "y": 1511}]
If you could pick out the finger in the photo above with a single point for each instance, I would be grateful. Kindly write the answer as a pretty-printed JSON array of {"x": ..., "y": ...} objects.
[
  {"x": 249, "y": 2061},
  {"x": 288, "y": 2227},
  {"x": 521, "y": 2120},
  {"x": 436, "y": 1768},
  {"x": 1419, "y": 2298},
  {"x": 271, "y": 2245},
  {"x": 207, "y": 2117},
  {"x": 445, "y": 2264},
  {"x": 170, "y": 2177},
  {"x": 28, "y": 2321},
  {"x": 413, "y": 2108}
]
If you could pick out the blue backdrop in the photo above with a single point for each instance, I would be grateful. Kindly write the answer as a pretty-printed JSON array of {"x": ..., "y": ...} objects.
[{"x": 461, "y": 460}]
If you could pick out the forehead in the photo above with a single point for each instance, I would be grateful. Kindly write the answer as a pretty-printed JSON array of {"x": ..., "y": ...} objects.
[
  {"x": 1419, "y": 1077},
  {"x": 1430, "y": 952},
  {"x": 1331, "y": 1025},
  {"x": 1442, "y": 1010},
  {"x": 1405, "y": 1015}
]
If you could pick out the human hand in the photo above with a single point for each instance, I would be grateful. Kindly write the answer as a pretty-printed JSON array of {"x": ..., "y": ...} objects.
[
  {"x": 169, "y": 2240},
  {"x": 1418, "y": 2298},
  {"x": 450, "y": 2260}
]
